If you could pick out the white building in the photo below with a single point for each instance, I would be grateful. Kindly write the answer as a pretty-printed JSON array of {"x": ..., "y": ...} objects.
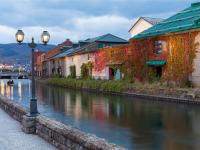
[{"x": 143, "y": 23}]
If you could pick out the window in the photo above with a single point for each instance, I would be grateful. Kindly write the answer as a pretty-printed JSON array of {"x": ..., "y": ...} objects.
[
  {"x": 100, "y": 45},
  {"x": 108, "y": 44},
  {"x": 158, "y": 47}
]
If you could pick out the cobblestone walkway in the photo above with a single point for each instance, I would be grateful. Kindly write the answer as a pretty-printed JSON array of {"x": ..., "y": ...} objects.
[{"x": 12, "y": 137}]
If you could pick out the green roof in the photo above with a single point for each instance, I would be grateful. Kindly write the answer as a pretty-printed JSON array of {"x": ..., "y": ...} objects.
[
  {"x": 187, "y": 19},
  {"x": 156, "y": 62},
  {"x": 107, "y": 38}
]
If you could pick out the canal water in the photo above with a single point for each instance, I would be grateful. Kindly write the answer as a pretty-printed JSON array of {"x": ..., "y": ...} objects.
[{"x": 132, "y": 123}]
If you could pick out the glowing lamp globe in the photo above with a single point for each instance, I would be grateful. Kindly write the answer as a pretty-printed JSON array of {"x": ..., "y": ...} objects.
[
  {"x": 19, "y": 36},
  {"x": 45, "y": 37}
]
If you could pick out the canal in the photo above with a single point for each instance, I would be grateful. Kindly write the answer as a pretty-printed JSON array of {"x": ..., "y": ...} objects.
[{"x": 129, "y": 122}]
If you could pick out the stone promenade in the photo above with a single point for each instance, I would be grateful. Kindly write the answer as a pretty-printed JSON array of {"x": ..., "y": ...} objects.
[{"x": 12, "y": 137}]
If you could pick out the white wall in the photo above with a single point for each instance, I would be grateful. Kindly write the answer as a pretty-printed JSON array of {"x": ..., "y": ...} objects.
[
  {"x": 69, "y": 62},
  {"x": 196, "y": 73},
  {"x": 99, "y": 74},
  {"x": 140, "y": 26},
  {"x": 78, "y": 60}
]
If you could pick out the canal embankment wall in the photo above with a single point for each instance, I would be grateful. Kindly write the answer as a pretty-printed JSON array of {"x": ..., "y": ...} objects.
[
  {"x": 58, "y": 134},
  {"x": 159, "y": 94}
]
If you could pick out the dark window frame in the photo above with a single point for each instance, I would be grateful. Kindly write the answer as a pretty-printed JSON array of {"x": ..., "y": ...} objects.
[{"x": 158, "y": 49}]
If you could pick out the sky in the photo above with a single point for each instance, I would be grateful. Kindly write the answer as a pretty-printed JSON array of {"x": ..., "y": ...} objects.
[{"x": 79, "y": 19}]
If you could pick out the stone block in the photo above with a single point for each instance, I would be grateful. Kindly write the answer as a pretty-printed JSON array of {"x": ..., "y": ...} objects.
[
  {"x": 29, "y": 124},
  {"x": 28, "y": 130}
]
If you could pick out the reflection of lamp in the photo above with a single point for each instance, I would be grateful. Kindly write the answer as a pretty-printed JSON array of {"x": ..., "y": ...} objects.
[
  {"x": 29, "y": 87},
  {"x": 2, "y": 88},
  {"x": 20, "y": 89},
  {"x": 8, "y": 91},
  {"x": 11, "y": 93}
]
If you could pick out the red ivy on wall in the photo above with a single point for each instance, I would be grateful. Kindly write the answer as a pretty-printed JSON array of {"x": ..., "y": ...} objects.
[
  {"x": 180, "y": 57},
  {"x": 179, "y": 53}
]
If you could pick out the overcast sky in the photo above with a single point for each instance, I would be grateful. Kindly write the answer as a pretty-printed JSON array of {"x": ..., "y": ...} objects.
[{"x": 79, "y": 19}]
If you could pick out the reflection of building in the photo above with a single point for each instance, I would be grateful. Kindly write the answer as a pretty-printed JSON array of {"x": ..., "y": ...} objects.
[
  {"x": 78, "y": 107},
  {"x": 178, "y": 126},
  {"x": 195, "y": 121},
  {"x": 99, "y": 111}
]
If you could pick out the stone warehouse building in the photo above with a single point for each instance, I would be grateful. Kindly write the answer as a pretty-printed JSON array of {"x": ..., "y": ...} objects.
[
  {"x": 168, "y": 51},
  {"x": 38, "y": 63},
  {"x": 171, "y": 47},
  {"x": 60, "y": 60},
  {"x": 86, "y": 54},
  {"x": 48, "y": 65}
]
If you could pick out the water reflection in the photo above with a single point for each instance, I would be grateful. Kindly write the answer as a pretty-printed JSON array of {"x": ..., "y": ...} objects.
[
  {"x": 11, "y": 92},
  {"x": 20, "y": 89},
  {"x": 2, "y": 88},
  {"x": 133, "y": 123}
]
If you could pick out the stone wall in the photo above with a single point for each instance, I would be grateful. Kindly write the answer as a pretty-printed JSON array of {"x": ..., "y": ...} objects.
[
  {"x": 67, "y": 137},
  {"x": 13, "y": 109},
  {"x": 60, "y": 135}
]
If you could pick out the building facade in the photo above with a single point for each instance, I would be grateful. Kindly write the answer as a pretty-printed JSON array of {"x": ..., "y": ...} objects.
[
  {"x": 84, "y": 53},
  {"x": 39, "y": 64},
  {"x": 171, "y": 47},
  {"x": 53, "y": 67}
]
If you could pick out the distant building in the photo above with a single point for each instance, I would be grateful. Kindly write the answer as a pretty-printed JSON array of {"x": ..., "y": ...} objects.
[
  {"x": 39, "y": 65},
  {"x": 143, "y": 23},
  {"x": 48, "y": 63},
  {"x": 83, "y": 53}
]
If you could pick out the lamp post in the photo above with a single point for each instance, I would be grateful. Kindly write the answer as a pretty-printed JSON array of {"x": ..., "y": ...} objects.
[{"x": 45, "y": 39}]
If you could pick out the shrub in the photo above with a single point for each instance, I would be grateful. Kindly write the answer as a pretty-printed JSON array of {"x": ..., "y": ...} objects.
[
  {"x": 86, "y": 70},
  {"x": 72, "y": 71},
  {"x": 100, "y": 85}
]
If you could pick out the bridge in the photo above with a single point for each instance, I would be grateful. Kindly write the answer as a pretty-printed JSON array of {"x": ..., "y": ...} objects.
[{"x": 13, "y": 76}]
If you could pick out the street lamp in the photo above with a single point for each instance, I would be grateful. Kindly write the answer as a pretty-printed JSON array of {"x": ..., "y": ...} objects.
[{"x": 45, "y": 39}]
